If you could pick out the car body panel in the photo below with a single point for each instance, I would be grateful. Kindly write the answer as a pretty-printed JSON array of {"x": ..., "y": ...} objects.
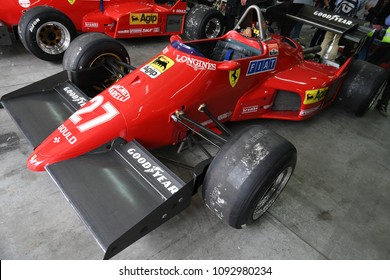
[
  {"x": 12, "y": 10},
  {"x": 144, "y": 101},
  {"x": 114, "y": 17},
  {"x": 96, "y": 149}
]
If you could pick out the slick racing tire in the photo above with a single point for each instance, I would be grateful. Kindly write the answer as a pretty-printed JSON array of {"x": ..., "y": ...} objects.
[
  {"x": 95, "y": 61},
  {"x": 364, "y": 83},
  {"x": 247, "y": 175},
  {"x": 46, "y": 32},
  {"x": 204, "y": 22}
]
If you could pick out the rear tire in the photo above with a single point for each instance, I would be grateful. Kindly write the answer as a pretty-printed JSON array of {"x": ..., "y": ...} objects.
[
  {"x": 91, "y": 50},
  {"x": 46, "y": 32},
  {"x": 364, "y": 83},
  {"x": 204, "y": 22},
  {"x": 247, "y": 175}
]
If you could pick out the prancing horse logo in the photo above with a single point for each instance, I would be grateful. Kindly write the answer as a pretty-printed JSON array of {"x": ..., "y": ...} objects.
[{"x": 234, "y": 75}]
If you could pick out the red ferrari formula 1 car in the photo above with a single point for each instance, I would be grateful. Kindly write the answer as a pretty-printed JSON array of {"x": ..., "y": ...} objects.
[
  {"x": 96, "y": 125},
  {"x": 46, "y": 27}
]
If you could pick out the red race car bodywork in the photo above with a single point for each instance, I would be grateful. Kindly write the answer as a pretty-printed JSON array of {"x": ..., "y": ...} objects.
[
  {"x": 46, "y": 27},
  {"x": 97, "y": 147},
  {"x": 144, "y": 101},
  {"x": 116, "y": 18}
]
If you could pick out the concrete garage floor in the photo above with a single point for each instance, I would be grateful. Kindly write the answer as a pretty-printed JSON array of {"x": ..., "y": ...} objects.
[{"x": 336, "y": 206}]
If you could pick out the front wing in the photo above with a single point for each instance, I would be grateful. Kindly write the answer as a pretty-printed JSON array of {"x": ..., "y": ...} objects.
[{"x": 118, "y": 197}]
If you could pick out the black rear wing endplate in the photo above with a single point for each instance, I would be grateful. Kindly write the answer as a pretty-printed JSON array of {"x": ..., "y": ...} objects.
[
  {"x": 350, "y": 28},
  {"x": 121, "y": 193}
]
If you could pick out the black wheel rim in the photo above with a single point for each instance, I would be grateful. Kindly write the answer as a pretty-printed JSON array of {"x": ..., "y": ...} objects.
[
  {"x": 272, "y": 193},
  {"x": 377, "y": 94},
  {"x": 213, "y": 28}
]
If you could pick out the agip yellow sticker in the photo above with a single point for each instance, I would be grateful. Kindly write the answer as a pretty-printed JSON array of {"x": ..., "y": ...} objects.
[
  {"x": 143, "y": 18},
  {"x": 158, "y": 66},
  {"x": 162, "y": 63},
  {"x": 315, "y": 95}
]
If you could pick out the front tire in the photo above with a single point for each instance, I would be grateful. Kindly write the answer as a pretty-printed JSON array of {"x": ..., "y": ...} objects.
[
  {"x": 364, "y": 83},
  {"x": 95, "y": 51},
  {"x": 247, "y": 175},
  {"x": 204, "y": 22},
  {"x": 46, "y": 32}
]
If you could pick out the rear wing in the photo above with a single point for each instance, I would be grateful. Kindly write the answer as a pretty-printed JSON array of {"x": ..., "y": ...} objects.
[
  {"x": 351, "y": 29},
  {"x": 121, "y": 193}
]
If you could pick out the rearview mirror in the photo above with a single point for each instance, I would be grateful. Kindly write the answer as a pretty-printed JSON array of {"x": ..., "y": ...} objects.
[
  {"x": 229, "y": 65},
  {"x": 175, "y": 38}
]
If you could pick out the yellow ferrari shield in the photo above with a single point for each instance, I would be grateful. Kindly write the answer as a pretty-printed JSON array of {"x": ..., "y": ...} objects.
[
  {"x": 234, "y": 75},
  {"x": 71, "y": 1}
]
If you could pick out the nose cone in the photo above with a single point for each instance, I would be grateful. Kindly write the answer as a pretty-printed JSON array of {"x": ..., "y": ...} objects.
[
  {"x": 36, "y": 162},
  {"x": 95, "y": 124}
]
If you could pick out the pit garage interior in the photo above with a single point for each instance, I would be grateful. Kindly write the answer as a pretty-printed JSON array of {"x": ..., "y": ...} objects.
[{"x": 336, "y": 205}]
